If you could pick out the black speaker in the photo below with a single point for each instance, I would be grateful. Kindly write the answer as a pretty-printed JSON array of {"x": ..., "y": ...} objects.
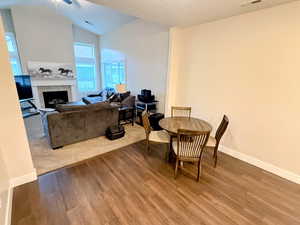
[
  {"x": 146, "y": 96},
  {"x": 146, "y": 93}
]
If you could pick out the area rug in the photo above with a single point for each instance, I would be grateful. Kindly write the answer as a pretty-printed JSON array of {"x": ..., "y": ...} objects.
[{"x": 45, "y": 159}]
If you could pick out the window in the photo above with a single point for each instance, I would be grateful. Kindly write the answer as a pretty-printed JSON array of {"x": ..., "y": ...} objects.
[
  {"x": 113, "y": 73},
  {"x": 13, "y": 53},
  {"x": 85, "y": 67}
]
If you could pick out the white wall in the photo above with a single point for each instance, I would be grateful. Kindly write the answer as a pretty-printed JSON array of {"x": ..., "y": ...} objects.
[
  {"x": 7, "y": 20},
  {"x": 248, "y": 68},
  {"x": 42, "y": 35},
  {"x": 81, "y": 35},
  {"x": 173, "y": 68},
  {"x": 145, "y": 47},
  {"x": 46, "y": 36}
]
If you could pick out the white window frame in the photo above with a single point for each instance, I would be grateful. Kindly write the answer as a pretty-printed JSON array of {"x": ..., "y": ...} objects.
[
  {"x": 15, "y": 54},
  {"x": 87, "y": 60},
  {"x": 113, "y": 61}
]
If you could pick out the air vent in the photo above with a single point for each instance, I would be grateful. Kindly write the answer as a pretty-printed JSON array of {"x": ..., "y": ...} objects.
[{"x": 253, "y": 2}]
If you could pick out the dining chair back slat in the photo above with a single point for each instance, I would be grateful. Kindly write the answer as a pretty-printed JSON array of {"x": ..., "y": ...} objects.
[
  {"x": 181, "y": 111},
  {"x": 221, "y": 129},
  {"x": 216, "y": 140},
  {"x": 190, "y": 146},
  {"x": 191, "y": 143}
]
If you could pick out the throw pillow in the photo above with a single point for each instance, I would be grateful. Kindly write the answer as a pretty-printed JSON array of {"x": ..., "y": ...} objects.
[
  {"x": 111, "y": 98},
  {"x": 124, "y": 95},
  {"x": 115, "y": 98},
  {"x": 109, "y": 92}
]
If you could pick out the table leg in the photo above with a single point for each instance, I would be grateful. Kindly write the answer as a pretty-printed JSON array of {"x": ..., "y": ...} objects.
[{"x": 167, "y": 154}]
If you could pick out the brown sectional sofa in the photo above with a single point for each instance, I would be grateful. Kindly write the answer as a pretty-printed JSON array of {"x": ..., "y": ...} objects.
[{"x": 71, "y": 124}]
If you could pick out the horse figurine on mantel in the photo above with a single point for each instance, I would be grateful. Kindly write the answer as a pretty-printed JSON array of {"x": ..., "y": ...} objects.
[{"x": 65, "y": 71}]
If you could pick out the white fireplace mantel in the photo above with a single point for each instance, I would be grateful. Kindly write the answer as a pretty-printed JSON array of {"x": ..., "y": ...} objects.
[{"x": 42, "y": 83}]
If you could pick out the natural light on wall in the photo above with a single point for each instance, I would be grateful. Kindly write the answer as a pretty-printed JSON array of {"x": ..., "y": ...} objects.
[
  {"x": 85, "y": 67},
  {"x": 13, "y": 53},
  {"x": 113, "y": 68}
]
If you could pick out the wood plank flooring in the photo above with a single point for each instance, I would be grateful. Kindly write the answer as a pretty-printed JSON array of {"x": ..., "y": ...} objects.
[{"x": 128, "y": 186}]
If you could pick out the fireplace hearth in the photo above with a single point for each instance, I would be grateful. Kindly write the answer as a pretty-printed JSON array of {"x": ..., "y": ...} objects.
[{"x": 53, "y": 98}]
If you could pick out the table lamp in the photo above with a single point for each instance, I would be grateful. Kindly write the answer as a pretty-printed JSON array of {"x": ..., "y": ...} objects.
[{"x": 121, "y": 88}]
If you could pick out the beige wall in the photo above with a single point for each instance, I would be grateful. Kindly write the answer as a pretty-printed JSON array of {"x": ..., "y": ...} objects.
[
  {"x": 4, "y": 188},
  {"x": 248, "y": 68},
  {"x": 145, "y": 47},
  {"x": 13, "y": 140},
  {"x": 15, "y": 158},
  {"x": 42, "y": 35}
]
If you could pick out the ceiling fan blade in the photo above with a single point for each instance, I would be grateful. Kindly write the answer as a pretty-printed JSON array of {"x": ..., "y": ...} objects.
[
  {"x": 68, "y": 1},
  {"x": 74, "y": 2}
]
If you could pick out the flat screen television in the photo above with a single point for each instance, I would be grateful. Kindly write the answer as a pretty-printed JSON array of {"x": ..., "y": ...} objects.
[{"x": 23, "y": 84}]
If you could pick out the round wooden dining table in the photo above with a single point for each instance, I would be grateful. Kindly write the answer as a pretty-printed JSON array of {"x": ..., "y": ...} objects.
[{"x": 172, "y": 124}]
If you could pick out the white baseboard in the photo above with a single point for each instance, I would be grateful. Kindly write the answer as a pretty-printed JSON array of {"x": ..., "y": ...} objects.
[
  {"x": 263, "y": 165},
  {"x": 14, "y": 182},
  {"x": 7, "y": 220}
]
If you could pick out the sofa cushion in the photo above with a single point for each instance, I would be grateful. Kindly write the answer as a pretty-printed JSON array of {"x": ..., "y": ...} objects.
[
  {"x": 115, "y": 98},
  {"x": 107, "y": 92},
  {"x": 99, "y": 105},
  {"x": 67, "y": 107},
  {"x": 92, "y": 100}
]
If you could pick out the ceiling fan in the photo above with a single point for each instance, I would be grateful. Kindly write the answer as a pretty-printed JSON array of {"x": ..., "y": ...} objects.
[{"x": 70, "y": 2}]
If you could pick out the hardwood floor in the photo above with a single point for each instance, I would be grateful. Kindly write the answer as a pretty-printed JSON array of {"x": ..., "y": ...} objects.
[{"x": 128, "y": 186}]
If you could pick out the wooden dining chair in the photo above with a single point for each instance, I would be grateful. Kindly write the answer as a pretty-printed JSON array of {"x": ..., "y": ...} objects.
[
  {"x": 213, "y": 142},
  {"x": 189, "y": 146},
  {"x": 155, "y": 136},
  {"x": 186, "y": 111}
]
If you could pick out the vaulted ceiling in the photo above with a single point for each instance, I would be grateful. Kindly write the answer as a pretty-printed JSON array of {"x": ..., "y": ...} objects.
[
  {"x": 100, "y": 19},
  {"x": 186, "y": 12},
  {"x": 104, "y": 16}
]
